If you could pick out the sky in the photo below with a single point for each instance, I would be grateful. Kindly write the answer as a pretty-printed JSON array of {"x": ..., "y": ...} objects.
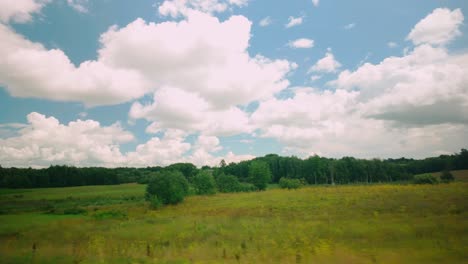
[{"x": 145, "y": 83}]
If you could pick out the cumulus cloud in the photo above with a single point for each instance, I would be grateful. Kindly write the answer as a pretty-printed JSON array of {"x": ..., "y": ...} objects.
[
  {"x": 20, "y": 11},
  {"x": 176, "y": 8},
  {"x": 294, "y": 21},
  {"x": 178, "y": 109},
  {"x": 414, "y": 105},
  {"x": 331, "y": 124},
  {"x": 302, "y": 43},
  {"x": 438, "y": 28},
  {"x": 427, "y": 86},
  {"x": 28, "y": 69},
  {"x": 44, "y": 141},
  {"x": 265, "y": 21},
  {"x": 315, "y": 2},
  {"x": 326, "y": 64},
  {"x": 212, "y": 61}
]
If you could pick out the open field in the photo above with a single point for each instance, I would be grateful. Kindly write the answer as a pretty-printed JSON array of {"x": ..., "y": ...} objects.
[
  {"x": 340, "y": 224},
  {"x": 460, "y": 175}
]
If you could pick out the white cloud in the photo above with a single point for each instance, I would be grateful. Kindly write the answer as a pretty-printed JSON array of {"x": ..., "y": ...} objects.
[
  {"x": 350, "y": 26},
  {"x": 20, "y": 11},
  {"x": 414, "y": 105},
  {"x": 315, "y": 2},
  {"x": 326, "y": 64},
  {"x": 302, "y": 43},
  {"x": 438, "y": 28},
  {"x": 294, "y": 21},
  {"x": 178, "y": 109},
  {"x": 27, "y": 69},
  {"x": 212, "y": 61},
  {"x": 79, "y": 5},
  {"x": 392, "y": 44},
  {"x": 45, "y": 141},
  {"x": 176, "y": 8},
  {"x": 265, "y": 21}
]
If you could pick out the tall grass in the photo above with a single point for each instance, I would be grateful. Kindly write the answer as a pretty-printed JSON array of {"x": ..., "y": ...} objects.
[{"x": 340, "y": 224}]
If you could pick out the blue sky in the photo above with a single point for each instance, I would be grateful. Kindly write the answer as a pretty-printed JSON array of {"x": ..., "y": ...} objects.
[{"x": 143, "y": 83}]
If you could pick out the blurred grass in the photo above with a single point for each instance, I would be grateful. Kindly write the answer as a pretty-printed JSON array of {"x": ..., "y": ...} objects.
[{"x": 323, "y": 224}]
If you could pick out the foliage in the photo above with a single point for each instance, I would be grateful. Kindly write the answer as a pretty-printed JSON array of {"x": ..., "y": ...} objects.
[
  {"x": 204, "y": 183},
  {"x": 286, "y": 183},
  {"x": 447, "y": 176},
  {"x": 315, "y": 170},
  {"x": 170, "y": 187},
  {"x": 259, "y": 174},
  {"x": 227, "y": 183},
  {"x": 425, "y": 178}
]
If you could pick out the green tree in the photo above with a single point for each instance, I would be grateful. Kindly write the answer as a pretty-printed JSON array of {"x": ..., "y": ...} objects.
[
  {"x": 204, "y": 183},
  {"x": 259, "y": 174},
  {"x": 169, "y": 187}
]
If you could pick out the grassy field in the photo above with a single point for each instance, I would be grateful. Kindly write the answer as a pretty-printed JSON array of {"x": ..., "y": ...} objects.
[{"x": 340, "y": 224}]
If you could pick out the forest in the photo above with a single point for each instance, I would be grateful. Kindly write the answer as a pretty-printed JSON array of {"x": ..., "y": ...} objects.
[{"x": 312, "y": 170}]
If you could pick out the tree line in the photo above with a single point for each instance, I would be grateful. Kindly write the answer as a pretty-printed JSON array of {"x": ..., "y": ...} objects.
[{"x": 312, "y": 170}]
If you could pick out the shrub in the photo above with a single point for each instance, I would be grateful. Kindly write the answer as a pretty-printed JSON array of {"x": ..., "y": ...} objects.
[
  {"x": 155, "y": 202},
  {"x": 286, "y": 183},
  {"x": 246, "y": 187},
  {"x": 426, "y": 178},
  {"x": 447, "y": 176},
  {"x": 169, "y": 187},
  {"x": 204, "y": 183},
  {"x": 228, "y": 183}
]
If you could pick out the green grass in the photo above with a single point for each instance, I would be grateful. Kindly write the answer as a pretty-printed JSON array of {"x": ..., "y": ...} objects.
[{"x": 340, "y": 224}]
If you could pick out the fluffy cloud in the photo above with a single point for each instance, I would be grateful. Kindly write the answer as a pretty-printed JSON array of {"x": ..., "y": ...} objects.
[
  {"x": 414, "y": 105},
  {"x": 20, "y": 11},
  {"x": 176, "y": 8},
  {"x": 331, "y": 124},
  {"x": 326, "y": 64},
  {"x": 294, "y": 21},
  {"x": 178, "y": 109},
  {"x": 438, "y": 28},
  {"x": 315, "y": 2},
  {"x": 28, "y": 69},
  {"x": 44, "y": 141},
  {"x": 427, "y": 86},
  {"x": 302, "y": 43},
  {"x": 212, "y": 61}
]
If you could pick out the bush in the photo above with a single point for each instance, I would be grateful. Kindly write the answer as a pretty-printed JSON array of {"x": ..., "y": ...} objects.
[
  {"x": 204, "y": 183},
  {"x": 169, "y": 187},
  {"x": 286, "y": 183},
  {"x": 228, "y": 183},
  {"x": 246, "y": 187},
  {"x": 447, "y": 176},
  {"x": 426, "y": 178}
]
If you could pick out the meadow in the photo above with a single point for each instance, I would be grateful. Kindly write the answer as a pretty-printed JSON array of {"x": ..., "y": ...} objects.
[{"x": 381, "y": 223}]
